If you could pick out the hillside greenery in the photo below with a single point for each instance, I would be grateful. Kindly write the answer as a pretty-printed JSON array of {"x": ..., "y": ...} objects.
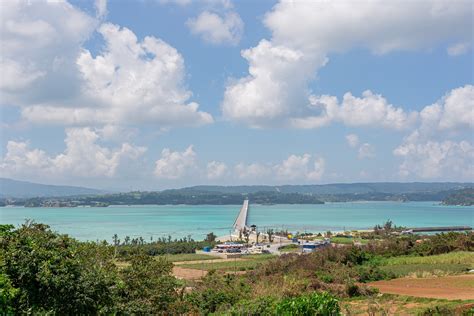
[
  {"x": 43, "y": 272},
  {"x": 171, "y": 198},
  {"x": 450, "y": 193},
  {"x": 462, "y": 197}
]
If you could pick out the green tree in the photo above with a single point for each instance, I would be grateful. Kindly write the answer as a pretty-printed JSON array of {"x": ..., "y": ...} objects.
[
  {"x": 54, "y": 273},
  {"x": 148, "y": 286},
  {"x": 270, "y": 233},
  {"x": 210, "y": 238}
]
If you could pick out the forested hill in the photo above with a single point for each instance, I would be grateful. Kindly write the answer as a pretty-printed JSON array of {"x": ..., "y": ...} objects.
[
  {"x": 166, "y": 197},
  {"x": 340, "y": 188},
  {"x": 287, "y": 194},
  {"x": 462, "y": 197}
]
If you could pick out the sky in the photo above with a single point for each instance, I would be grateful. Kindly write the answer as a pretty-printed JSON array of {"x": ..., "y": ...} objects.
[{"x": 155, "y": 94}]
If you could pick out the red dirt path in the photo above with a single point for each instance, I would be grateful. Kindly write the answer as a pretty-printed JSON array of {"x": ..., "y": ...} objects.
[{"x": 456, "y": 287}]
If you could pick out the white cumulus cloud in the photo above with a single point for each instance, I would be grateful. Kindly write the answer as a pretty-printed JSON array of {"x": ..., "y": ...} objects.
[
  {"x": 217, "y": 29},
  {"x": 40, "y": 41},
  {"x": 433, "y": 150},
  {"x": 300, "y": 167},
  {"x": 216, "y": 170},
  {"x": 129, "y": 82},
  {"x": 252, "y": 172},
  {"x": 366, "y": 150},
  {"x": 275, "y": 92},
  {"x": 433, "y": 159},
  {"x": 371, "y": 110},
  {"x": 175, "y": 164},
  {"x": 83, "y": 157},
  {"x": 352, "y": 140}
]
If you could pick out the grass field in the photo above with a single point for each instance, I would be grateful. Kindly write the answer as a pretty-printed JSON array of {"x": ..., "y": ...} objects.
[
  {"x": 189, "y": 257},
  {"x": 289, "y": 248},
  {"x": 460, "y": 257},
  {"x": 249, "y": 262},
  {"x": 424, "y": 270},
  {"x": 450, "y": 263},
  {"x": 388, "y": 304},
  {"x": 348, "y": 241}
]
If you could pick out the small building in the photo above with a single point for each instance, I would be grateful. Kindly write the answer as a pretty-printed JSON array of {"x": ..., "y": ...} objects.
[
  {"x": 315, "y": 245},
  {"x": 230, "y": 247}
]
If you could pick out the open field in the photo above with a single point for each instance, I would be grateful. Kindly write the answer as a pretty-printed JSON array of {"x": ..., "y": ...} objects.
[
  {"x": 424, "y": 270},
  {"x": 450, "y": 263},
  {"x": 455, "y": 287},
  {"x": 289, "y": 248},
  {"x": 239, "y": 264},
  {"x": 459, "y": 257},
  {"x": 348, "y": 241},
  {"x": 188, "y": 257},
  {"x": 388, "y": 304}
]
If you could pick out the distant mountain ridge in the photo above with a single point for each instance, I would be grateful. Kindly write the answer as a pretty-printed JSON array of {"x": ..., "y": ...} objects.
[
  {"x": 10, "y": 188},
  {"x": 339, "y": 188}
]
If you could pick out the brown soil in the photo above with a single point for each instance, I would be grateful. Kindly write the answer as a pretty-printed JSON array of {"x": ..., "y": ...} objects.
[
  {"x": 208, "y": 261},
  {"x": 195, "y": 274},
  {"x": 458, "y": 287},
  {"x": 188, "y": 274}
]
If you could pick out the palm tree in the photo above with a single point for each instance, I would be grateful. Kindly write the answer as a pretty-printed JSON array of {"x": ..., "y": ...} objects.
[{"x": 270, "y": 234}]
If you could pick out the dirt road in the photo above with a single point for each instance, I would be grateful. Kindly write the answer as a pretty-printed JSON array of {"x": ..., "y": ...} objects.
[{"x": 456, "y": 287}]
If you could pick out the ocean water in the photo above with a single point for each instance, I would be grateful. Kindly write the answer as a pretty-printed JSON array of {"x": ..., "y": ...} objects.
[{"x": 89, "y": 223}]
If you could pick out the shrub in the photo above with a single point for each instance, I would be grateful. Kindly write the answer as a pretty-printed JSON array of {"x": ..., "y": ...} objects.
[
  {"x": 217, "y": 292},
  {"x": 352, "y": 289},
  {"x": 53, "y": 272},
  {"x": 260, "y": 306},
  {"x": 325, "y": 277},
  {"x": 438, "y": 311},
  {"x": 7, "y": 295},
  {"x": 148, "y": 286},
  {"x": 369, "y": 273},
  {"x": 310, "y": 304}
]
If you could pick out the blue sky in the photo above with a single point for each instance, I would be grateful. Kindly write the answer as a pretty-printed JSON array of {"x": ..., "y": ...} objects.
[{"x": 158, "y": 94}]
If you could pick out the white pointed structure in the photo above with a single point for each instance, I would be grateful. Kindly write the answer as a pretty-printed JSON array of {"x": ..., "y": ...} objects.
[{"x": 241, "y": 220}]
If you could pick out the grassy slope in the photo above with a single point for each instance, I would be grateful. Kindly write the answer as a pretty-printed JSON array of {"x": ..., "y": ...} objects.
[
  {"x": 348, "y": 241},
  {"x": 388, "y": 304},
  {"x": 189, "y": 257},
  {"x": 459, "y": 257},
  {"x": 249, "y": 263},
  {"x": 450, "y": 263}
]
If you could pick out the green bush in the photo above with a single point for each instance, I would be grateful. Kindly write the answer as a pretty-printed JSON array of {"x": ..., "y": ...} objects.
[
  {"x": 352, "y": 289},
  {"x": 438, "y": 311},
  {"x": 308, "y": 305},
  {"x": 325, "y": 277},
  {"x": 218, "y": 292},
  {"x": 370, "y": 273},
  {"x": 7, "y": 295},
  {"x": 55, "y": 273},
  {"x": 148, "y": 287},
  {"x": 260, "y": 306},
  {"x": 42, "y": 272}
]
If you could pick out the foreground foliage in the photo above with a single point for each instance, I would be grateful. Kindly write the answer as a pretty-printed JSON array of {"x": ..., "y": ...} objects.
[
  {"x": 43, "y": 272},
  {"x": 47, "y": 272}
]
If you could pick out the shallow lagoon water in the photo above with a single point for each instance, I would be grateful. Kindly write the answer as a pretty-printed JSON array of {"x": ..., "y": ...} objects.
[{"x": 99, "y": 223}]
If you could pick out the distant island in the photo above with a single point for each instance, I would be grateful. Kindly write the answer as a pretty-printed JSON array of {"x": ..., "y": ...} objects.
[
  {"x": 463, "y": 197},
  {"x": 10, "y": 188},
  {"x": 447, "y": 193}
]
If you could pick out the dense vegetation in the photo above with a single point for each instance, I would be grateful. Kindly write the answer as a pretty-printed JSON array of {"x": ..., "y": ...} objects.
[
  {"x": 171, "y": 197},
  {"x": 45, "y": 272},
  {"x": 462, "y": 197},
  {"x": 209, "y": 195}
]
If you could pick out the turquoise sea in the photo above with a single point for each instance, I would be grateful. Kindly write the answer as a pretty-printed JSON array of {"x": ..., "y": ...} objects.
[{"x": 88, "y": 223}]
